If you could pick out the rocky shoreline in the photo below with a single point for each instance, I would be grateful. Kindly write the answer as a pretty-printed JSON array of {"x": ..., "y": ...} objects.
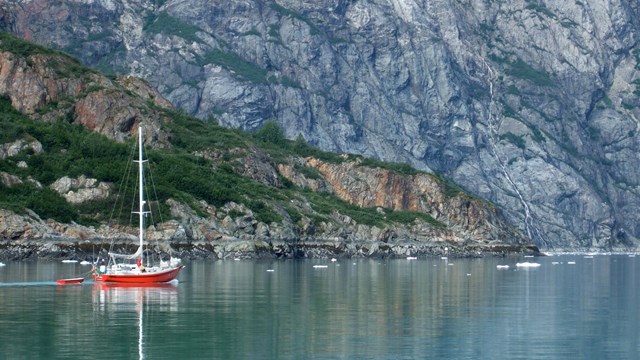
[{"x": 262, "y": 249}]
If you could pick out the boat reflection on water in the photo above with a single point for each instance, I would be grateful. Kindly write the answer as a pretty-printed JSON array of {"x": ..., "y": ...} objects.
[
  {"x": 140, "y": 298},
  {"x": 122, "y": 296}
]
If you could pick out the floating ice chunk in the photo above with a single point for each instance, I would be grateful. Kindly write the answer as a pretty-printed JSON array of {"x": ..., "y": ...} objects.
[
  {"x": 528, "y": 256},
  {"x": 69, "y": 261},
  {"x": 320, "y": 266},
  {"x": 2, "y": 264},
  {"x": 411, "y": 258},
  {"x": 444, "y": 258},
  {"x": 527, "y": 264},
  {"x": 555, "y": 263},
  {"x": 334, "y": 259},
  {"x": 588, "y": 257},
  {"x": 571, "y": 262},
  {"x": 270, "y": 270},
  {"x": 85, "y": 262},
  {"x": 502, "y": 267}
]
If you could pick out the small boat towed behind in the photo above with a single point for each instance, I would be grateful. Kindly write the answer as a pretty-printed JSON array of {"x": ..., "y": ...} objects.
[{"x": 70, "y": 281}]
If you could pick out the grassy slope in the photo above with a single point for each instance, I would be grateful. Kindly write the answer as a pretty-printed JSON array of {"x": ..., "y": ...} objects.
[{"x": 70, "y": 150}]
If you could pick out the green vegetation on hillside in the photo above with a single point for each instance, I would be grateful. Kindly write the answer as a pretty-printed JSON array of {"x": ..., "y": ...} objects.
[
  {"x": 71, "y": 150},
  {"x": 514, "y": 139},
  {"x": 231, "y": 61},
  {"x": 68, "y": 67},
  {"x": 313, "y": 30},
  {"x": 243, "y": 69},
  {"x": 520, "y": 69},
  {"x": 9, "y": 42},
  {"x": 167, "y": 24}
]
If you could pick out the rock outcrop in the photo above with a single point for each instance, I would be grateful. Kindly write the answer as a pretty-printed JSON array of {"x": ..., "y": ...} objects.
[
  {"x": 43, "y": 86},
  {"x": 13, "y": 148},
  {"x": 80, "y": 190}
]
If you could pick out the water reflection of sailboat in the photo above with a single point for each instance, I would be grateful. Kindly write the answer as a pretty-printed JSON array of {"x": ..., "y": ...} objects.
[{"x": 112, "y": 298}]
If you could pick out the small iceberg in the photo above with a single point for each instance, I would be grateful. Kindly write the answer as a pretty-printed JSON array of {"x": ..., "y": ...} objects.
[
  {"x": 2, "y": 264},
  {"x": 555, "y": 263},
  {"x": 527, "y": 264},
  {"x": 411, "y": 258},
  {"x": 320, "y": 266},
  {"x": 571, "y": 262},
  {"x": 85, "y": 262},
  {"x": 528, "y": 256},
  {"x": 333, "y": 259},
  {"x": 270, "y": 270},
  {"x": 502, "y": 267},
  {"x": 444, "y": 258},
  {"x": 67, "y": 261}
]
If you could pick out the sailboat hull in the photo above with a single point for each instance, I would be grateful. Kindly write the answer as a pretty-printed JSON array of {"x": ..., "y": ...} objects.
[{"x": 141, "y": 278}]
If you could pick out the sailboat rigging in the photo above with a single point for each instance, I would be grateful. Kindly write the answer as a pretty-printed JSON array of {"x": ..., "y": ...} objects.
[{"x": 141, "y": 272}]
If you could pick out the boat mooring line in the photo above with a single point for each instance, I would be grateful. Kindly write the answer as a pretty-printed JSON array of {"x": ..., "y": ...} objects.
[
  {"x": 26, "y": 283},
  {"x": 36, "y": 283}
]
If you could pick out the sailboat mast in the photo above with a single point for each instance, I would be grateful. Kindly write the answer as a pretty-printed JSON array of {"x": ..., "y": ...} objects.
[{"x": 141, "y": 194}]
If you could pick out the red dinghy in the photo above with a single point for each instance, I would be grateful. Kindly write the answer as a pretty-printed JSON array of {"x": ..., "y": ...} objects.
[{"x": 70, "y": 281}]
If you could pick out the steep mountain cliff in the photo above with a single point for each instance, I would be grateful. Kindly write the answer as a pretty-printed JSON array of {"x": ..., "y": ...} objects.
[
  {"x": 63, "y": 148},
  {"x": 532, "y": 105}
]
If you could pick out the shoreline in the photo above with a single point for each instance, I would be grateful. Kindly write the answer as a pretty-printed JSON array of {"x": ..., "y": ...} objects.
[{"x": 263, "y": 249}]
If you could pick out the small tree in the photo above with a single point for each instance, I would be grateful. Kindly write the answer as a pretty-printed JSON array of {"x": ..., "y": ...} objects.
[
  {"x": 272, "y": 133},
  {"x": 211, "y": 119}
]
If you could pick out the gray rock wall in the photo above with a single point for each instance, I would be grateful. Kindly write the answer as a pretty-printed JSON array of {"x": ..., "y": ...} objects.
[{"x": 532, "y": 105}]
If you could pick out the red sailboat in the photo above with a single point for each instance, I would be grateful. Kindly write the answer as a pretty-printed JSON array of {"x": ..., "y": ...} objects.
[{"x": 141, "y": 272}]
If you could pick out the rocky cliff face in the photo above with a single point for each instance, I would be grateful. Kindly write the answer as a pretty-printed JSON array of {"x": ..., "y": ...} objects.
[
  {"x": 532, "y": 105},
  {"x": 376, "y": 187}
]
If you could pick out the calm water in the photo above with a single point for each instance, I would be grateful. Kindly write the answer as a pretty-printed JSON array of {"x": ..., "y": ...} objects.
[{"x": 362, "y": 309}]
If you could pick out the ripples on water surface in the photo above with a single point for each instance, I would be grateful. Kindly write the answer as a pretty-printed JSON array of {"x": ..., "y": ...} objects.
[{"x": 350, "y": 309}]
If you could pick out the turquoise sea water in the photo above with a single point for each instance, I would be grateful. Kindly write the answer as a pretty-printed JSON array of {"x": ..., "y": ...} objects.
[{"x": 347, "y": 309}]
